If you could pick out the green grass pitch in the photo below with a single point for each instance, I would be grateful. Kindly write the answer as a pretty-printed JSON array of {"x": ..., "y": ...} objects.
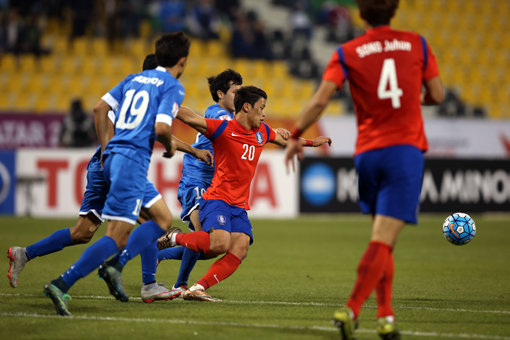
[{"x": 296, "y": 274}]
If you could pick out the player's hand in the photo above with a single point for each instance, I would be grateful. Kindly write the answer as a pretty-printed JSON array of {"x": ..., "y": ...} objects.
[
  {"x": 205, "y": 156},
  {"x": 171, "y": 152},
  {"x": 283, "y": 132},
  {"x": 321, "y": 140},
  {"x": 294, "y": 148}
]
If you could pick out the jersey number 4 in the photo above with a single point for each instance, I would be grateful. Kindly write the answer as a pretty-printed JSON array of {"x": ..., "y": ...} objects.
[
  {"x": 133, "y": 106},
  {"x": 388, "y": 85}
]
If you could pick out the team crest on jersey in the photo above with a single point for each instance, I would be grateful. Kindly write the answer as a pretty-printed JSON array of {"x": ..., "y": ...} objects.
[
  {"x": 222, "y": 219},
  {"x": 259, "y": 137}
]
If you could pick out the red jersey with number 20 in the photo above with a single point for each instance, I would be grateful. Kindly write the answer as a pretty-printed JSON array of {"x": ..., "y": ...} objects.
[
  {"x": 386, "y": 69},
  {"x": 236, "y": 154}
]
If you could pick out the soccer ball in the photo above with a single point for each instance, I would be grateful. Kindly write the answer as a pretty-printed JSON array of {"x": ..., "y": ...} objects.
[{"x": 459, "y": 228}]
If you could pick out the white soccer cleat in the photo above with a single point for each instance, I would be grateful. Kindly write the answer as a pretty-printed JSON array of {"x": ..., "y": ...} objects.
[
  {"x": 17, "y": 260},
  {"x": 155, "y": 291},
  {"x": 179, "y": 290}
]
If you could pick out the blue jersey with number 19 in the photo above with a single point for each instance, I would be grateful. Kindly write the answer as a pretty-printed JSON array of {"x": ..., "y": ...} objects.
[{"x": 141, "y": 100}]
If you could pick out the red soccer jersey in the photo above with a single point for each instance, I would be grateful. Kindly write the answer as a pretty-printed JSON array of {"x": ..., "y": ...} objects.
[
  {"x": 236, "y": 154},
  {"x": 386, "y": 69}
]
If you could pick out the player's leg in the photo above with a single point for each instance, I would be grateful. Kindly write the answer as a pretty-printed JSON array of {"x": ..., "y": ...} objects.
[
  {"x": 121, "y": 208},
  {"x": 91, "y": 258},
  {"x": 87, "y": 224},
  {"x": 151, "y": 290},
  {"x": 240, "y": 239},
  {"x": 189, "y": 257}
]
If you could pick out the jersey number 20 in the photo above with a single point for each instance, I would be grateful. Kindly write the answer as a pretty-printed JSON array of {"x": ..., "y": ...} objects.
[
  {"x": 125, "y": 120},
  {"x": 388, "y": 85}
]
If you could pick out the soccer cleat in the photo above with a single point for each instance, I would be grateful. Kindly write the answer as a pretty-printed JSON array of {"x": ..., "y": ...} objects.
[
  {"x": 113, "y": 279},
  {"x": 386, "y": 329},
  {"x": 344, "y": 321},
  {"x": 17, "y": 260},
  {"x": 180, "y": 289},
  {"x": 58, "y": 298},
  {"x": 165, "y": 241},
  {"x": 155, "y": 291},
  {"x": 198, "y": 295}
]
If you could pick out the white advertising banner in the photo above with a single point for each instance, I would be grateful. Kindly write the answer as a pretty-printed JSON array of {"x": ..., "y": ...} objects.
[
  {"x": 53, "y": 181},
  {"x": 448, "y": 138}
]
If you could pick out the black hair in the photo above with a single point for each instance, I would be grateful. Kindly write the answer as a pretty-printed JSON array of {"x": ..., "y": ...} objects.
[
  {"x": 150, "y": 62},
  {"x": 171, "y": 47},
  {"x": 377, "y": 12},
  {"x": 248, "y": 94},
  {"x": 223, "y": 81}
]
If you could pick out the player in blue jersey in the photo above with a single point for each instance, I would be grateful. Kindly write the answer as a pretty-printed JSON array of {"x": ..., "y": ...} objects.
[
  {"x": 146, "y": 103},
  {"x": 90, "y": 219}
]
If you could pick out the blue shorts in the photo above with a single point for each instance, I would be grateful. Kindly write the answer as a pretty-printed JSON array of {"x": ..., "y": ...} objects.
[
  {"x": 95, "y": 195},
  {"x": 189, "y": 194},
  {"x": 389, "y": 181},
  {"x": 218, "y": 214},
  {"x": 127, "y": 179}
]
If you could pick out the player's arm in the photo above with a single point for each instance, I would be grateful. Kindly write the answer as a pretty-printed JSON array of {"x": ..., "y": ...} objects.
[
  {"x": 203, "y": 155},
  {"x": 103, "y": 125},
  {"x": 310, "y": 114},
  {"x": 434, "y": 91},
  {"x": 316, "y": 142},
  {"x": 164, "y": 136},
  {"x": 187, "y": 116}
]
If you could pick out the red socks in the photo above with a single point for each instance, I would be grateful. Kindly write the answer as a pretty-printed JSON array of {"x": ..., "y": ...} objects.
[
  {"x": 384, "y": 289},
  {"x": 197, "y": 241},
  {"x": 220, "y": 270},
  {"x": 371, "y": 268}
]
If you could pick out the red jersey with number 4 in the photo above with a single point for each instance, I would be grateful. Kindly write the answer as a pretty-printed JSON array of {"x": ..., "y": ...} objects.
[
  {"x": 386, "y": 69},
  {"x": 236, "y": 154}
]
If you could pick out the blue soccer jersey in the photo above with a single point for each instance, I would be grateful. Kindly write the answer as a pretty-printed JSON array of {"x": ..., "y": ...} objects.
[
  {"x": 140, "y": 101},
  {"x": 191, "y": 166}
]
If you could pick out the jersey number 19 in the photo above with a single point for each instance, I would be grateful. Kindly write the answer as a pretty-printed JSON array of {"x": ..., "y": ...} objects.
[{"x": 131, "y": 100}]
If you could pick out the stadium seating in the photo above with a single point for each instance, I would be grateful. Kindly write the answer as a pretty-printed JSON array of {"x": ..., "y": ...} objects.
[
  {"x": 472, "y": 46},
  {"x": 89, "y": 67}
]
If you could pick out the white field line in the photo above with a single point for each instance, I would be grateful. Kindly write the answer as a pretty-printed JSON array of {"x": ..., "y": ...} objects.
[
  {"x": 281, "y": 303},
  {"x": 242, "y": 325}
]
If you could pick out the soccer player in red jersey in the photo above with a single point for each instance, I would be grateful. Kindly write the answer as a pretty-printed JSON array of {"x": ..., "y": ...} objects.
[
  {"x": 386, "y": 70},
  {"x": 237, "y": 145}
]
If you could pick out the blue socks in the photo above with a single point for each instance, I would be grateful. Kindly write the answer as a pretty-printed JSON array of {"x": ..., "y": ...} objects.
[
  {"x": 92, "y": 258},
  {"x": 149, "y": 258},
  {"x": 55, "y": 242},
  {"x": 145, "y": 235},
  {"x": 189, "y": 258},
  {"x": 174, "y": 253}
]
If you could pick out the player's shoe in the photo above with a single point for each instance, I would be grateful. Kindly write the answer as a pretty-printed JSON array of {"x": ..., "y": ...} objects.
[
  {"x": 343, "y": 319},
  {"x": 59, "y": 299},
  {"x": 165, "y": 241},
  {"x": 180, "y": 289},
  {"x": 198, "y": 295},
  {"x": 386, "y": 329},
  {"x": 154, "y": 291},
  {"x": 113, "y": 279},
  {"x": 17, "y": 260}
]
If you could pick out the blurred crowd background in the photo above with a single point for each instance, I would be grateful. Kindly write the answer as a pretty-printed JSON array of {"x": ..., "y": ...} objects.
[{"x": 55, "y": 53}]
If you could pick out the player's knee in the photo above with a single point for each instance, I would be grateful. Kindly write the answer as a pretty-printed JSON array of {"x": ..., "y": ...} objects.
[
  {"x": 79, "y": 236},
  {"x": 83, "y": 232},
  {"x": 218, "y": 248}
]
